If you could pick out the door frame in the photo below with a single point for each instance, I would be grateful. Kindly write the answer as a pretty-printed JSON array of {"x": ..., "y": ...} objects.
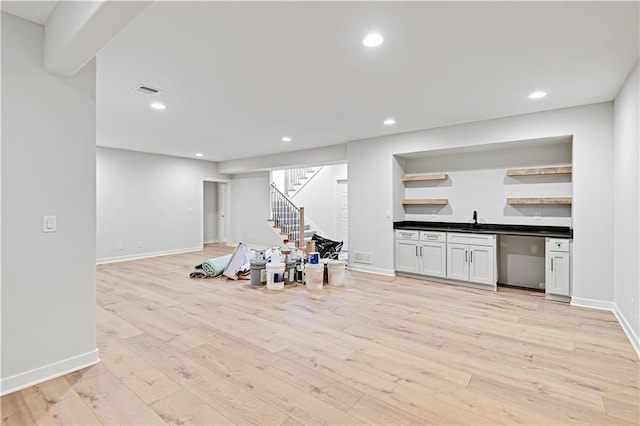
[{"x": 223, "y": 205}]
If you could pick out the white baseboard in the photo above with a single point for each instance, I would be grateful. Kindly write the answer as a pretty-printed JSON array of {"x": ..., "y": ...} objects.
[
  {"x": 211, "y": 241},
  {"x": 48, "y": 372},
  {"x": 363, "y": 268},
  {"x": 146, "y": 255},
  {"x": 611, "y": 306},
  {"x": 592, "y": 303},
  {"x": 626, "y": 327}
]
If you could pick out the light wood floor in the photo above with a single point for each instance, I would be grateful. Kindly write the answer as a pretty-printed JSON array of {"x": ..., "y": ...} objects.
[{"x": 381, "y": 350}]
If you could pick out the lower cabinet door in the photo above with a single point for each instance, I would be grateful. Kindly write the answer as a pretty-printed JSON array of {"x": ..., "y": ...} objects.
[
  {"x": 481, "y": 264},
  {"x": 407, "y": 256},
  {"x": 458, "y": 261},
  {"x": 557, "y": 273},
  {"x": 433, "y": 259}
]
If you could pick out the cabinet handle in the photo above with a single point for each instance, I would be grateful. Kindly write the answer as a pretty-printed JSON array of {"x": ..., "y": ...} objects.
[
  {"x": 416, "y": 251},
  {"x": 471, "y": 255},
  {"x": 465, "y": 255},
  {"x": 552, "y": 264},
  {"x": 420, "y": 251}
]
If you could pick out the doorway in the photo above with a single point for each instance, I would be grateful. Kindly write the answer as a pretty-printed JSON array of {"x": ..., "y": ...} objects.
[{"x": 214, "y": 222}]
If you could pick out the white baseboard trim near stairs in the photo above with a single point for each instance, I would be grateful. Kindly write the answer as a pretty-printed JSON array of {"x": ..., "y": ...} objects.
[
  {"x": 611, "y": 306},
  {"x": 379, "y": 271},
  {"x": 48, "y": 372},
  {"x": 146, "y": 255}
]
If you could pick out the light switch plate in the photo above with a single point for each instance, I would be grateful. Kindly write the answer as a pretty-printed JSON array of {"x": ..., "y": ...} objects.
[{"x": 49, "y": 224}]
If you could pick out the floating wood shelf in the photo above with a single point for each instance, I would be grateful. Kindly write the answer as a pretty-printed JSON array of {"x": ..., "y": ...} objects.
[
  {"x": 540, "y": 201},
  {"x": 566, "y": 170},
  {"x": 425, "y": 202},
  {"x": 419, "y": 178}
]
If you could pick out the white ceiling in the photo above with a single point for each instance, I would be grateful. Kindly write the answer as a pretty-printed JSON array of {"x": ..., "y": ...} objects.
[
  {"x": 238, "y": 76},
  {"x": 34, "y": 11}
]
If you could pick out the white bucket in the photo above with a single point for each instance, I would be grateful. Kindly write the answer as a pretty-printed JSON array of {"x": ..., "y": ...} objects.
[
  {"x": 313, "y": 277},
  {"x": 275, "y": 276},
  {"x": 336, "y": 273}
]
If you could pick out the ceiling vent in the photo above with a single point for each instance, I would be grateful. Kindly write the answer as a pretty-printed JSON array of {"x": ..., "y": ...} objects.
[{"x": 147, "y": 90}]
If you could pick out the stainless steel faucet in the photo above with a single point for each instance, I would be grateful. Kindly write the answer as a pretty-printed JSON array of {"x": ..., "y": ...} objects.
[{"x": 475, "y": 218}]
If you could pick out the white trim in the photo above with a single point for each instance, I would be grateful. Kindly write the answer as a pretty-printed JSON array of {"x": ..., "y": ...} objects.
[
  {"x": 626, "y": 327},
  {"x": 443, "y": 280},
  {"x": 379, "y": 271},
  {"x": 591, "y": 303},
  {"x": 211, "y": 241},
  {"x": 48, "y": 372},
  {"x": 146, "y": 255},
  {"x": 611, "y": 306}
]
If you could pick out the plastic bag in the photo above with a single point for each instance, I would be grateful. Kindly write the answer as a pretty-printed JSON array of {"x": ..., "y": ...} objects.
[{"x": 327, "y": 248}]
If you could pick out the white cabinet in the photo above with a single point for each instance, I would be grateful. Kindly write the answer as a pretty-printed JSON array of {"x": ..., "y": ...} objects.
[
  {"x": 407, "y": 251},
  {"x": 421, "y": 253},
  {"x": 558, "y": 269},
  {"x": 458, "y": 261},
  {"x": 472, "y": 257},
  {"x": 433, "y": 254}
]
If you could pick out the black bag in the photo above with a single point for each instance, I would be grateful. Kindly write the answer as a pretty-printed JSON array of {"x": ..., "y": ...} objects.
[{"x": 327, "y": 248}]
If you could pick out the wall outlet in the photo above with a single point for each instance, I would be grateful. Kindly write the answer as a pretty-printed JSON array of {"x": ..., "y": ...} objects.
[
  {"x": 433, "y": 213},
  {"x": 120, "y": 246},
  {"x": 139, "y": 244},
  {"x": 537, "y": 216},
  {"x": 541, "y": 285}
]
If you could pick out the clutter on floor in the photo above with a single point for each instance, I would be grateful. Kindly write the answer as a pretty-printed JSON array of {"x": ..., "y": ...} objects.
[{"x": 280, "y": 267}]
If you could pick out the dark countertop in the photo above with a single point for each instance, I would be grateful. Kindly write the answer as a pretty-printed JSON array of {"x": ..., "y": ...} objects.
[{"x": 488, "y": 228}]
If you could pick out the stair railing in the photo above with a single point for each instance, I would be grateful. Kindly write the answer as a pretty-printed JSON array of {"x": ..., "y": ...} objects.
[
  {"x": 293, "y": 177},
  {"x": 287, "y": 216}
]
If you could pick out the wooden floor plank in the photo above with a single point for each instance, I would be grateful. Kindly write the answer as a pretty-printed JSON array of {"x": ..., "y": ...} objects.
[
  {"x": 185, "y": 408},
  {"x": 114, "y": 403},
  {"x": 381, "y": 350}
]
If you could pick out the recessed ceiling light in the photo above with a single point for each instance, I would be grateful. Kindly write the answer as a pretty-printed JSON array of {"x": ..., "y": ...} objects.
[
  {"x": 389, "y": 121},
  {"x": 373, "y": 40},
  {"x": 537, "y": 95},
  {"x": 286, "y": 139},
  {"x": 158, "y": 106},
  {"x": 199, "y": 154}
]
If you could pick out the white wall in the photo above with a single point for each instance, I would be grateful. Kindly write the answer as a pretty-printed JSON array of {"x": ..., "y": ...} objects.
[
  {"x": 250, "y": 211},
  {"x": 371, "y": 197},
  {"x": 477, "y": 180},
  {"x": 210, "y": 212},
  {"x": 150, "y": 199},
  {"x": 48, "y": 168},
  {"x": 627, "y": 204},
  {"x": 319, "y": 199},
  {"x": 287, "y": 160}
]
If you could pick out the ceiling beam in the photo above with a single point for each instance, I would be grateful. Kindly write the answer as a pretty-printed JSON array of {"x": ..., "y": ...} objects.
[{"x": 77, "y": 30}]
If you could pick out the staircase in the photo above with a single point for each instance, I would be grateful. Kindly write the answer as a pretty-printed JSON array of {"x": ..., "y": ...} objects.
[
  {"x": 295, "y": 179},
  {"x": 286, "y": 218}
]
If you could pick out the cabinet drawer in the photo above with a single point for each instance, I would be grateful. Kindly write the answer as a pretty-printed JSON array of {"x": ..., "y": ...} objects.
[
  {"x": 407, "y": 235},
  {"x": 433, "y": 236},
  {"x": 558, "y": 244},
  {"x": 477, "y": 239}
]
